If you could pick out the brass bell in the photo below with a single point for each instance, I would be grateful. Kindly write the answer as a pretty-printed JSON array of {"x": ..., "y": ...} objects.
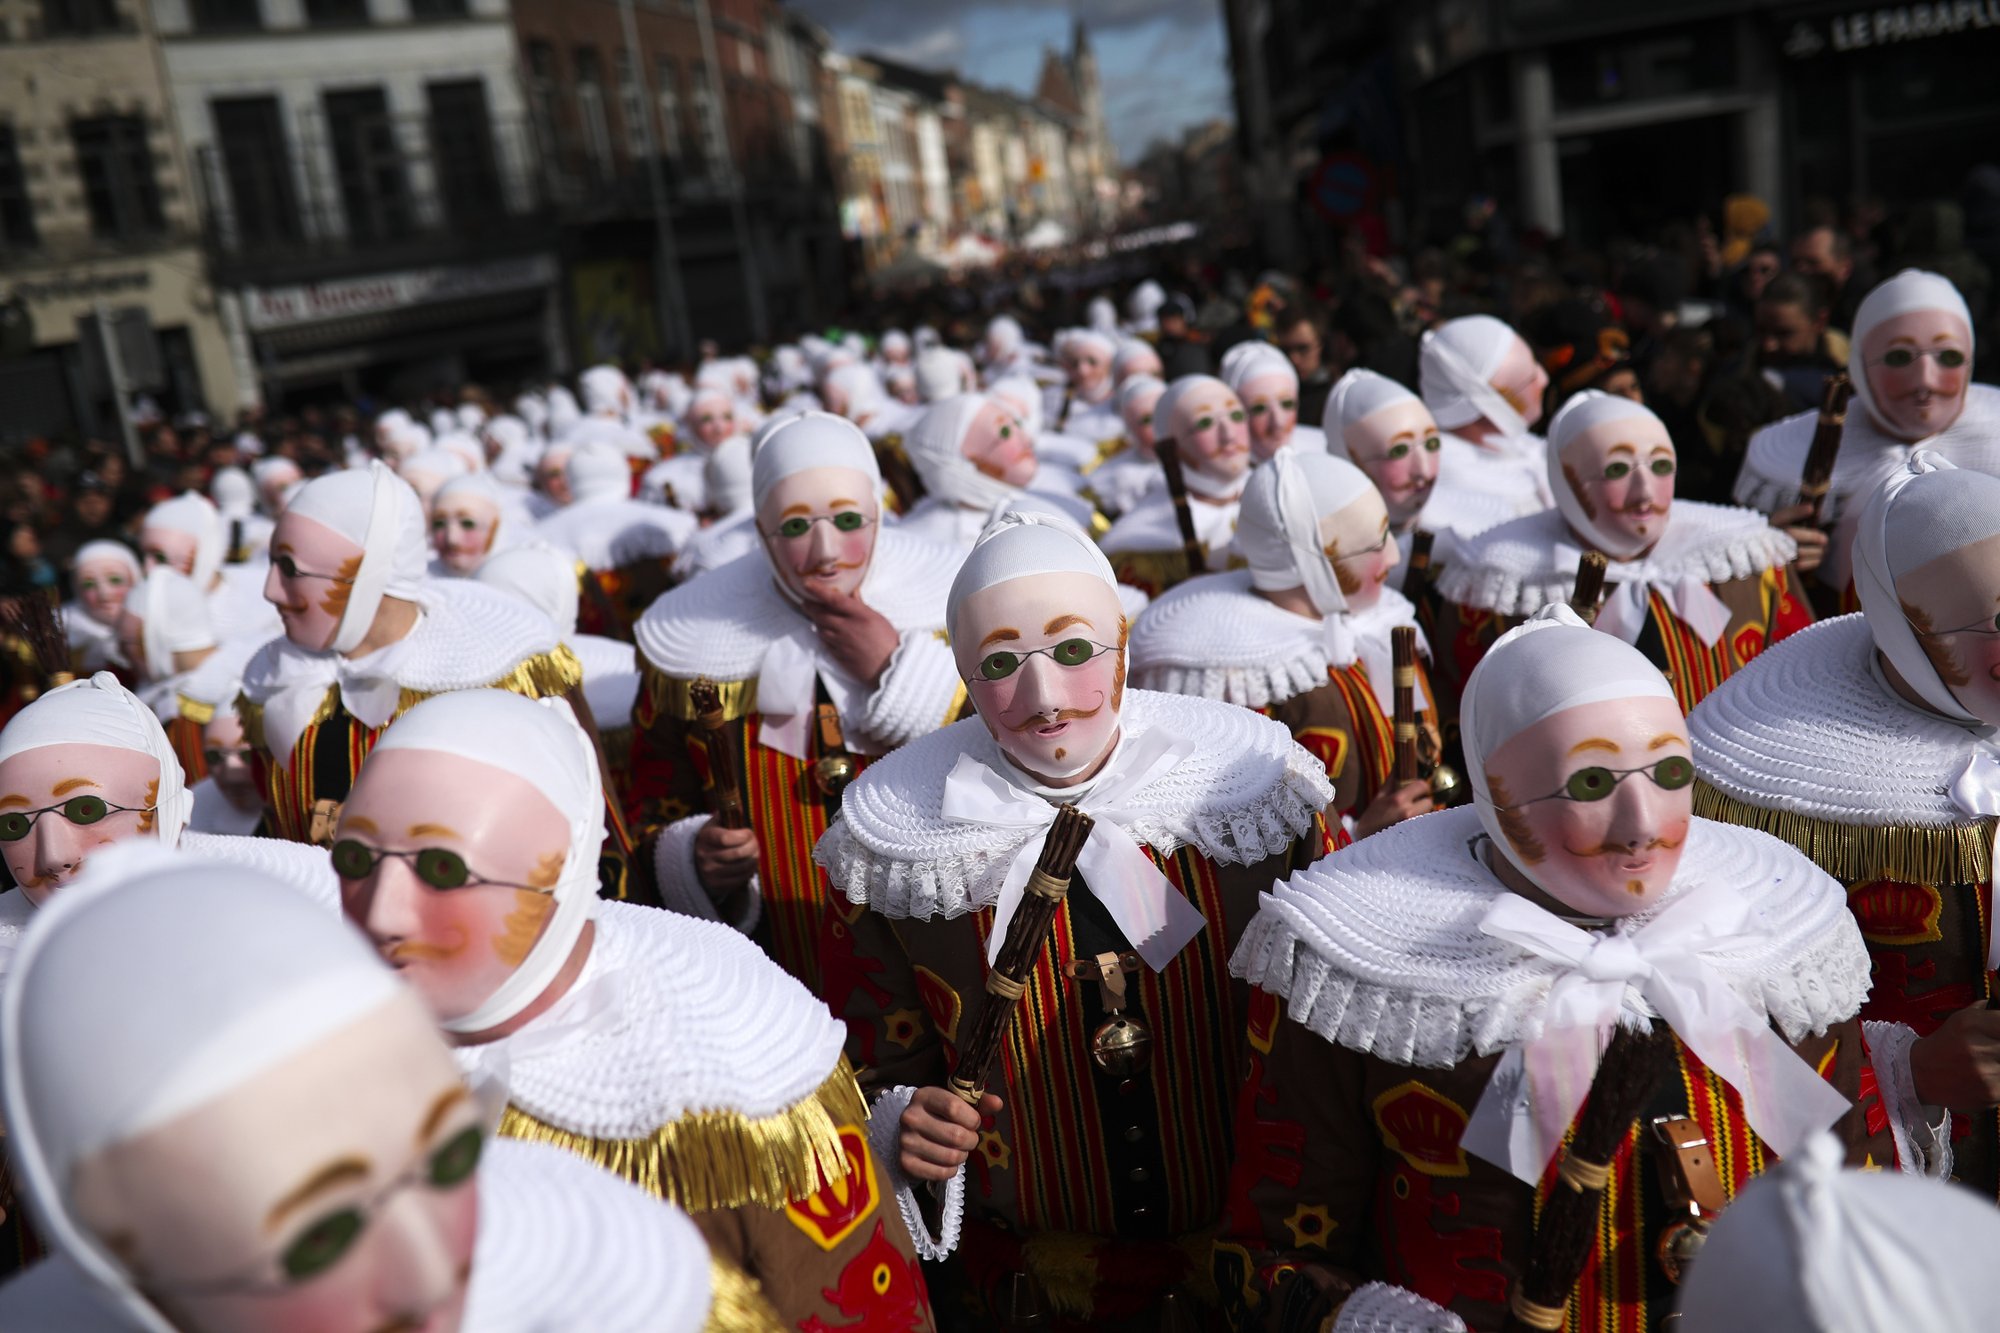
[
  {"x": 1447, "y": 787},
  {"x": 1121, "y": 1046},
  {"x": 1680, "y": 1246},
  {"x": 832, "y": 774}
]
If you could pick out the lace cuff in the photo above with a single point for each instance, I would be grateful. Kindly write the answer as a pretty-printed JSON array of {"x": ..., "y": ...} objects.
[
  {"x": 884, "y": 1125},
  {"x": 680, "y": 884},
  {"x": 1923, "y": 1148},
  {"x": 1381, "y": 1308},
  {"x": 918, "y": 693}
]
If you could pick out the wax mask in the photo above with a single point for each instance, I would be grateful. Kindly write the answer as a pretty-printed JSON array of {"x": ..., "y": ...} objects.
[
  {"x": 1144, "y": 361},
  {"x": 102, "y": 586},
  {"x": 1273, "y": 404},
  {"x": 447, "y": 864},
  {"x": 1596, "y": 801},
  {"x": 1209, "y": 426},
  {"x": 1950, "y": 603},
  {"x": 714, "y": 420},
  {"x": 228, "y": 757},
  {"x": 819, "y": 528},
  {"x": 1089, "y": 371},
  {"x": 1139, "y": 419},
  {"x": 1521, "y": 380},
  {"x": 311, "y": 576},
  {"x": 1622, "y": 475},
  {"x": 1021, "y": 407},
  {"x": 334, "y": 1192},
  {"x": 1362, "y": 548},
  {"x": 462, "y": 531},
  {"x": 1398, "y": 446},
  {"x": 170, "y": 547},
  {"x": 1043, "y": 657},
  {"x": 552, "y": 474},
  {"x": 834, "y": 399},
  {"x": 998, "y": 445},
  {"x": 101, "y": 794},
  {"x": 1918, "y": 365},
  {"x": 276, "y": 482}
]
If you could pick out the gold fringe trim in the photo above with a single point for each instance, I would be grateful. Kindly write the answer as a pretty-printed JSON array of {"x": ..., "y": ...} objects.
[
  {"x": 724, "y": 1159},
  {"x": 1064, "y": 1263},
  {"x": 194, "y": 710},
  {"x": 670, "y": 695},
  {"x": 736, "y": 1302},
  {"x": 539, "y": 677},
  {"x": 1856, "y": 853}
]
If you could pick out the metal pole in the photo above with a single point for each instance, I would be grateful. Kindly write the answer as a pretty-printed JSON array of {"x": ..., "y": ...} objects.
[
  {"x": 667, "y": 292},
  {"x": 114, "y": 369},
  {"x": 753, "y": 287}
]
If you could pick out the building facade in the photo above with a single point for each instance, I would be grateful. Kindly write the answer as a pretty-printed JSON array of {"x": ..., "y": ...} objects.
[
  {"x": 373, "y": 213},
  {"x": 97, "y": 215}
]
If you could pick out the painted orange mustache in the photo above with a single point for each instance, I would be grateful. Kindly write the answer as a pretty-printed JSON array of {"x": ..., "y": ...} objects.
[
  {"x": 405, "y": 951},
  {"x": 1061, "y": 715},
  {"x": 1616, "y": 849}
]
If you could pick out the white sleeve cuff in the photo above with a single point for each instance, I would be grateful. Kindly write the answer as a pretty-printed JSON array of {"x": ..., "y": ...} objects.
[
  {"x": 919, "y": 691},
  {"x": 884, "y": 1126},
  {"x": 1922, "y": 1134},
  {"x": 1381, "y": 1308},
  {"x": 680, "y": 884}
]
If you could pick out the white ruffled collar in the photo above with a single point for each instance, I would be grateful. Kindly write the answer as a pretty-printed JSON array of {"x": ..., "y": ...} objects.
[
  {"x": 1810, "y": 727},
  {"x": 720, "y": 624},
  {"x": 1245, "y": 794},
  {"x": 1151, "y": 525},
  {"x": 1522, "y": 566},
  {"x": 657, "y": 1027},
  {"x": 1777, "y": 455},
  {"x": 1377, "y": 948},
  {"x": 613, "y": 531}
]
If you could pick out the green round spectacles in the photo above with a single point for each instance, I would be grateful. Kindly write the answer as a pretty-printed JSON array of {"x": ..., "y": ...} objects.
[
  {"x": 1068, "y": 653},
  {"x": 1902, "y": 358},
  {"x": 1597, "y": 782},
  {"x": 439, "y": 867},
  {"x": 847, "y": 520},
  {"x": 15, "y": 824}
]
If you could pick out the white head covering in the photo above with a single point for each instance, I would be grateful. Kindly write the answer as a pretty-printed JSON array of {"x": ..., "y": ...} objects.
[
  {"x": 1163, "y": 429},
  {"x": 183, "y": 980},
  {"x": 465, "y": 447},
  {"x": 193, "y": 514},
  {"x": 716, "y": 390},
  {"x": 1584, "y": 411},
  {"x": 935, "y": 446},
  {"x": 1808, "y": 1247},
  {"x": 471, "y": 416},
  {"x": 726, "y": 474},
  {"x": 175, "y": 615},
  {"x": 538, "y": 740},
  {"x": 442, "y": 421},
  {"x": 1004, "y": 336},
  {"x": 895, "y": 340},
  {"x": 1277, "y": 529},
  {"x": 938, "y": 374},
  {"x": 563, "y": 412},
  {"x": 1019, "y": 543},
  {"x": 1142, "y": 307},
  {"x": 103, "y": 550},
  {"x": 539, "y": 575},
  {"x": 1911, "y": 290},
  {"x": 100, "y": 711},
  {"x": 863, "y": 387},
  {"x": 1547, "y": 663},
  {"x": 1026, "y": 395},
  {"x": 1251, "y": 360},
  {"x": 487, "y": 488},
  {"x": 1128, "y": 352},
  {"x": 598, "y": 471},
  {"x": 444, "y": 464},
  {"x": 377, "y": 511},
  {"x": 276, "y": 470},
  {"x": 606, "y": 392},
  {"x": 1927, "y": 509},
  {"x": 514, "y": 464},
  {"x": 1106, "y": 346},
  {"x": 1101, "y": 315},
  {"x": 1455, "y": 370},
  {"x": 1133, "y": 387},
  {"x": 234, "y": 494},
  {"x": 806, "y": 441},
  {"x": 1357, "y": 395}
]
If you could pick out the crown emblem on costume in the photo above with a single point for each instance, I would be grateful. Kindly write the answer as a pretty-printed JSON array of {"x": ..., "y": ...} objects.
[
  {"x": 1424, "y": 1127},
  {"x": 1892, "y": 912}
]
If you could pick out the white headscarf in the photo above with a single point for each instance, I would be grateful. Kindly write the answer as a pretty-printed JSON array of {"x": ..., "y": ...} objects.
[
  {"x": 175, "y": 615},
  {"x": 1142, "y": 307},
  {"x": 936, "y": 449},
  {"x": 194, "y": 515},
  {"x": 1809, "y": 1247},
  {"x": 939, "y": 374},
  {"x": 726, "y": 475},
  {"x": 100, "y": 711},
  {"x": 266, "y": 473},
  {"x": 1909, "y": 291},
  {"x": 444, "y": 464},
  {"x": 182, "y": 980},
  {"x": 1277, "y": 530},
  {"x": 1129, "y": 351},
  {"x": 377, "y": 511},
  {"x": 539, "y": 575},
  {"x": 540, "y": 741},
  {"x": 1252, "y": 360},
  {"x": 234, "y": 494},
  {"x": 1132, "y": 388},
  {"x": 484, "y": 486},
  {"x": 1583, "y": 412},
  {"x": 91, "y": 552},
  {"x": 1455, "y": 370},
  {"x": 1004, "y": 337},
  {"x": 606, "y": 392},
  {"x": 1018, "y": 544},
  {"x": 598, "y": 471},
  {"x": 1102, "y": 315},
  {"x": 1929, "y": 508},
  {"x": 465, "y": 447},
  {"x": 514, "y": 464},
  {"x": 865, "y": 396},
  {"x": 1356, "y": 396},
  {"x": 807, "y": 441},
  {"x": 1547, "y": 663}
]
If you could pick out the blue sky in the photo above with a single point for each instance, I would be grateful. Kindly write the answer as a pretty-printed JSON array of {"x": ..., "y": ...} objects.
[{"x": 1165, "y": 63}]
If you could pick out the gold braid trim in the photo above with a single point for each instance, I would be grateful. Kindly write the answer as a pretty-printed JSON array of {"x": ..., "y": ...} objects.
[
  {"x": 670, "y": 698},
  {"x": 194, "y": 710},
  {"x": 1857, "y": 853},
  {"x": 725, "y": 1159},
  {"x": 736, "y": 1302},
  {"x": 1106, "y": 449}
]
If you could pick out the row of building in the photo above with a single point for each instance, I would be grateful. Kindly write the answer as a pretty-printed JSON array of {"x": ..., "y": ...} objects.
[{"x": 268, "y": 201}]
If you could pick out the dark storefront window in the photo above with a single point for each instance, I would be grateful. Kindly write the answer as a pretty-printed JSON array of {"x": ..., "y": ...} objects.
[
  {"x": 17, "y": 211},
  {"x": 373, "y": 190},
  {"x": 226, "y": 15},
  {"x": 336, "y": 13},
  {"x": 437, "y": 9},
  {"x": 250, "y": 133},
  {"x": 462, "y": 158},
  {"x": 79, "y": 18},
  {"x": 116, "y": 168},
  {"x": 1662, "y": 63}
]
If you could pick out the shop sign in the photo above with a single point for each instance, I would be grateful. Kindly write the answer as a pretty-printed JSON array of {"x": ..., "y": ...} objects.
[
  {"x": 1889, "y": 25},
  {"x": 83, "y": 286},
  {"x": 282, "y": 307}
]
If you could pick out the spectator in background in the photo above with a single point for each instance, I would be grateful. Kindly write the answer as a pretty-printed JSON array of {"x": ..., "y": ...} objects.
[
  {"x": 92, "y": 517},
  {"x": 1798, "y": 350},
  {"x": 1582, "y": 347},
  {"x": 1301, "y": 336},
  {"x": 1743, "y": 287},
  {"x": 23, "y": 567},
  {"x": 1183, "y": 350},
  {"x": 1826, "y": 252}
]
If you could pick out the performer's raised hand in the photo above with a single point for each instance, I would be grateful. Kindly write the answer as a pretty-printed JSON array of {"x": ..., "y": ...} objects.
[
  {"x": 940, "y": 1130},
  {"x": 858, "y": 636}
]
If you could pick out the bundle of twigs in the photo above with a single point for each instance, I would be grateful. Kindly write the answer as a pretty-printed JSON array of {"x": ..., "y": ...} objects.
[{"x": 32, "y": 619}]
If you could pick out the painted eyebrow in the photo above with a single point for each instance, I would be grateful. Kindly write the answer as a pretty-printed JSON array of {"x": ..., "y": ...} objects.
[
  {"x": 337, "y": 1172},
  {"x": 361, "y": 824},
  {"x": 1064, "y": 622},
  {"x": 795, "y": 509},
  {"x": 1404, "y": 435},
  {"x": 1624, "y": 448},
  {"x": 440, "y": 1108},
  {"x": 8, "y": 802},
  {"x": 68, "y": 785},
  {"x": 1663, "y": 740},
  {"x": 831, "y": 503},
  {"x": 432, "y": 830},
  {"x": 1000, "y": 635},
  {"x": 1594, "y": 743},
  {"x": 1902, "y": 338},
  {"x": 284, "y": 548}
]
